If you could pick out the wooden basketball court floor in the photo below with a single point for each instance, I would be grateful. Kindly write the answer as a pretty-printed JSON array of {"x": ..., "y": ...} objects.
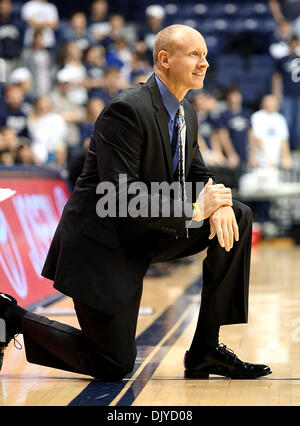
[{"x": 272, "y": 336}]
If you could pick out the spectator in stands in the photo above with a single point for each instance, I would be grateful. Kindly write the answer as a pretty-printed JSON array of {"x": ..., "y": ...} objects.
[
  {"x": 22, "y": 78},
  {"x": 279, "y": 45},
  {"x": 11, "y": 114},
  {"x": 234, "y": 130},
  {"x": 95, "y": 65},
  {"x": 24, "y": 154},
  {"x": 40, "y": 15},
  {"x": 93, "y": 109},
  {"x": 270, "y": 148},
  {"x": 7, "y": 158},
  {"x": 140, "y": 65},
  {"x": 40, "y": 62},
  {"x": 72, "y": 62},
  {"x": 139, "y": 78},
  {"x": 119, "y": 28},
  {"x": 72, "y": 114},
  {"x": 94, "y": 61},
  {"x": 271, "y": 135},
  {"x": 155, "y": 16},
  {"x": 8, "y": 146},
  {"x": 209, "y": 143},
  {"x": 76, "y": 31},
  {"x": 120, "y": 49},
  {"x": 47, "y": 131},
  {"x": 285, "y": 9},
  {"x": 287, "y": 88},
  {"x": 98, "y": 24},
  {"x": 113, "y": 84},
  {"x": 11, "y": 36}
]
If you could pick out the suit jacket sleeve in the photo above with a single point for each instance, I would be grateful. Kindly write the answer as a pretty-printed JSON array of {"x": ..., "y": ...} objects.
[{"x": 198, "y": 171}]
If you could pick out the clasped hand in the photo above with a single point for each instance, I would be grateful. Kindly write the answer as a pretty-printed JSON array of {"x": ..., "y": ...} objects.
[{"x": 215, "y": 203}]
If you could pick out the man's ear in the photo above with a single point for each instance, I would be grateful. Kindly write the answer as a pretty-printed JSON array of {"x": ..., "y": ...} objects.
[{"x": 163, "y": 58}]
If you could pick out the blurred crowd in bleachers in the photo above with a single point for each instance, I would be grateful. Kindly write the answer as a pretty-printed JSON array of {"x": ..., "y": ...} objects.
[{"x": 59, "y": 71}]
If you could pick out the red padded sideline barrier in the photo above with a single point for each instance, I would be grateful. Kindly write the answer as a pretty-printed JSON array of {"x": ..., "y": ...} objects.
[{"x": 28, "y": 220}]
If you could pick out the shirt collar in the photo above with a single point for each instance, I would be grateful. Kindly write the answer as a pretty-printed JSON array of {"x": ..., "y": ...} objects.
[{"x": 170, "y": 101}]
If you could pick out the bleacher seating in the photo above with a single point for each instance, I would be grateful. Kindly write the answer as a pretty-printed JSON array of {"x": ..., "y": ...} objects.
[
  {"x": 222, "y": 23},
  {"x": 251, "y": 74}
]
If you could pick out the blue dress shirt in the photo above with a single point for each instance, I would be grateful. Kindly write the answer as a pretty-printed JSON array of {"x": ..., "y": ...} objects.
[{"x": 171, "y": 104}]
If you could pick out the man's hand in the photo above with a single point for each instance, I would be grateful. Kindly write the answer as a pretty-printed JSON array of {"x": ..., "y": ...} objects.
[
  {"x": 223, "y": 224},
  {"x": 212, "y": 197}
]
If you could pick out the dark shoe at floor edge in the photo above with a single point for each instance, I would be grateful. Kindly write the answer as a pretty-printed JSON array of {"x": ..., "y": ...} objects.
[
  {"x": 224, "y": 362},
  {"x": 9, "y": 333}
]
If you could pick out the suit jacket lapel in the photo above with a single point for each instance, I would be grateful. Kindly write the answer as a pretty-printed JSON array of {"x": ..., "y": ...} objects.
[
  {"x": 162, "y": 121},
  {"x": 189, "y": 140}
]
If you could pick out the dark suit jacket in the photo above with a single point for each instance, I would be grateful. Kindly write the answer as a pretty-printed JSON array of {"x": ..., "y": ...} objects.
[{"x": 102, "y": 261}]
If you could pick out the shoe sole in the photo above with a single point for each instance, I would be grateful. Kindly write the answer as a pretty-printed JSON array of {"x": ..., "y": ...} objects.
[{"x": 189, "y": 374}]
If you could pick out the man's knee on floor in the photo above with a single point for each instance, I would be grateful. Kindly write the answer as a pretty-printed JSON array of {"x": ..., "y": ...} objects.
[{"x": 112, "y": 371}]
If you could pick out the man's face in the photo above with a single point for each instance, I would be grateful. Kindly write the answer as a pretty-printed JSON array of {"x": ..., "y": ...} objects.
[
  {"x": 234, "y": 98},
  {"x": 117, "y": 22},
  {"x": 187, "y": 61},
  {"x": 112, "y": 78},
  {"x": 5, "y": 7},
  {"x": 270, "y": 104},
  {"x": 78, "y": 21},
  {"x": 99, "y": 9},
  {"x": 14, "y": 97},
  {"x": 43, "y": 105}
]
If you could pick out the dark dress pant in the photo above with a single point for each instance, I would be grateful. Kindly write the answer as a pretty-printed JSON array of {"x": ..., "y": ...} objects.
[{"x": 105, "y": 347}]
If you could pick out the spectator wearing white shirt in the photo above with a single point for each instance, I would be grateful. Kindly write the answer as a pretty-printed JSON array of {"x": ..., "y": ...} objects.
[
  {"x": 47, "y": 131},
  {"x": 72, "y": 64},
  {"x": 63, "y": 104},
  {"x": 39, "y": 14},
  {"x": 39, "y": 61},
  {"x": 271, "y": 146}
]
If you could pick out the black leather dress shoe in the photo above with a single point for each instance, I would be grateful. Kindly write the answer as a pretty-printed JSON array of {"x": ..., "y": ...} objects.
[
  {"x": 8, "y": 334},
  {"x": 224, "y": 362}
]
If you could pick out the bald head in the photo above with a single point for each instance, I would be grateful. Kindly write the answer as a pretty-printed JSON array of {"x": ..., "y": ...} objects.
[
  {"x": 169, "y": 37},
  {"x": 180, "y": 59}
]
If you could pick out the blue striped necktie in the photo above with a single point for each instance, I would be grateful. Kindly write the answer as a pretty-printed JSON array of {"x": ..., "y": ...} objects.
[
  {"x": 178, "y": 141},
  {"x": 178, "y": 155}
]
